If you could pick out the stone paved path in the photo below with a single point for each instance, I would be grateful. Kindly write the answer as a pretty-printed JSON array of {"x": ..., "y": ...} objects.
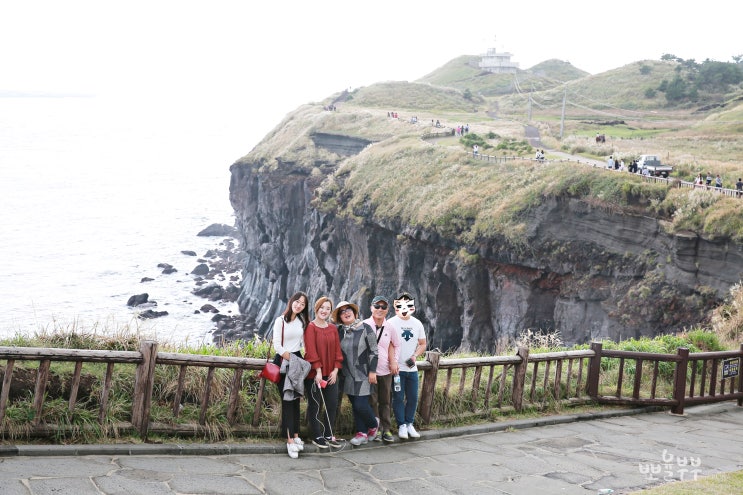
[{"x": 572, "y": 454}]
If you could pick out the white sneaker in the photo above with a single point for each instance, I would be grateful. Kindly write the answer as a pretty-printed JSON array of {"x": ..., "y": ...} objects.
[
  {"x": 293, "y": 450},
  {"x": 299, "y": 443},
  {"x": 403, "y": 432},
  {"x": 412, "y": 432}
]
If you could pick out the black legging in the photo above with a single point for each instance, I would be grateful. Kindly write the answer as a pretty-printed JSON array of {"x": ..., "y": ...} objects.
[
  {"x": 321, "y": 423},
  {"x": 289, "y": 410}
]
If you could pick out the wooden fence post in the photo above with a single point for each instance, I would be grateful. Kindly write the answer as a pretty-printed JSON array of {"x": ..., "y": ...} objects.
[
  {"x": 594, "y": 370},
  {"x": 740, "y": 376},
  {"x": 429, "y": 386},
  {"x": 6, "y": 387},
  {"x": 144, "y": 382},
  {"x": 679, "y": 380},
  {"x": 519, "y": 377},
  {"x": 42, "y": 378}
]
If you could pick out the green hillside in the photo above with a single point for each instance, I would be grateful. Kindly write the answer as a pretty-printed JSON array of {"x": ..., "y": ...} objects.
[
  {"x": 467, "y": 199},
  {"x": 646, "y": 85},
  {"x": 463, "y": 73}
]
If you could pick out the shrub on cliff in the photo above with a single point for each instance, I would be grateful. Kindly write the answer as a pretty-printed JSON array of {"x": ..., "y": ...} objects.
[
  {"x": 465, "y": 199},
  {"x": 706, "y": 212}
]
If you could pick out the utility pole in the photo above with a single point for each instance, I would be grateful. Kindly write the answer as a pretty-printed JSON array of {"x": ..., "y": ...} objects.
[{"x": 562, "y": 118}]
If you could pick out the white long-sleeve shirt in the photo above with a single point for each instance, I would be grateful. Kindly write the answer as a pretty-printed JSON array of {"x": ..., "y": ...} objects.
[{"x": 293, "y": 335}]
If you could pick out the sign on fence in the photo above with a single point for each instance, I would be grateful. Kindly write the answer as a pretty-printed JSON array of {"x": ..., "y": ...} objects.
[{"x": 730, "y": 367}]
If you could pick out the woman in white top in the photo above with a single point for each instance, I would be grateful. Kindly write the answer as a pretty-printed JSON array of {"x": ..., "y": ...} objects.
[{"x": 288, "y": 340}]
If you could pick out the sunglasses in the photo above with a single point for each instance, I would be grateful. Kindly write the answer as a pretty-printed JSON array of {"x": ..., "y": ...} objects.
[
  {"x": 380, "y": 306},
  {"x": 346, "y": 310}
]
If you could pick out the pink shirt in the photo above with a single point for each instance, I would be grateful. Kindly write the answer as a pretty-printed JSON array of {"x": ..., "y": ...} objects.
[{"x": 390, "y": 334}]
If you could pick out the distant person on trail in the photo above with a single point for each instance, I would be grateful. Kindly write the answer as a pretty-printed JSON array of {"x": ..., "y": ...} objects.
[
  {"x": 739, "y": 186},
  {"x": 475, "y": 149},
  {"x": 610, "y": 162},
  {"x": 718, "y": 182},
  {"x": 709, "y": 178}
]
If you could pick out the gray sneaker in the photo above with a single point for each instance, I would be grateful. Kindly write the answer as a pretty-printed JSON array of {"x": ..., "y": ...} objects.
[
  {"x": 359, "y": 439},
  {"x": 373, "y": 433}
]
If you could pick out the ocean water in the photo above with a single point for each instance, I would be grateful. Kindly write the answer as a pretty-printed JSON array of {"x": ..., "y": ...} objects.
[{"x": 94, "y": 195}]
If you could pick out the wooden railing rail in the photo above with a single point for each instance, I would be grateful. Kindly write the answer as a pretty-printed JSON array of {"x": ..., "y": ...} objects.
[
  {"x": 669, "y": 181},
  {"x": 694, "y": 379},
  {"x": 498, "y": 382},
  {"x": 239, "y": 365},
  {"x": 712, "y": 383},
  {"x": 479, "y": 385},
  {"x": 45, "y": 356}
]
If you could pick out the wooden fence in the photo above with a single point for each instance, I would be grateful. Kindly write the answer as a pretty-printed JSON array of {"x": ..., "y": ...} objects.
[
  {"x": 450, "y": 387},
  {"x": 670, "y": 181}
]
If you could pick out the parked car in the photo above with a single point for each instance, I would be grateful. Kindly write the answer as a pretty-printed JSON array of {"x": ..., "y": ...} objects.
[{"x": 652, "y": 164}]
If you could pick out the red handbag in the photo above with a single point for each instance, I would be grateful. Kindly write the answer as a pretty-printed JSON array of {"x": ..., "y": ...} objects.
[{"x": 272, "y": 371}]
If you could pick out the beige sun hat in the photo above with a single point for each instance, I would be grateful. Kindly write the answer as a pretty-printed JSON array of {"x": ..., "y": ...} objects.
[{"x": 341, "y": 305}]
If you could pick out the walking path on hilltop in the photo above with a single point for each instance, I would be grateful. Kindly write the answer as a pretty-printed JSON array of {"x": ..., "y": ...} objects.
[{"x": 572, "y": 454}]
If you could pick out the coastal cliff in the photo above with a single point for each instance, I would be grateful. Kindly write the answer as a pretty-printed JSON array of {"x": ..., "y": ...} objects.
[{"x": 577, "y": 266}]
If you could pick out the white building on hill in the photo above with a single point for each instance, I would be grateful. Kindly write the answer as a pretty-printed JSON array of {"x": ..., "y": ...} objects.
[{"x": 498, "y": 63}]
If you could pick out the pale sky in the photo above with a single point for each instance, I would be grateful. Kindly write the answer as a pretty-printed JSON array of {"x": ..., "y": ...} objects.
[{"x": 264, "y": 58}]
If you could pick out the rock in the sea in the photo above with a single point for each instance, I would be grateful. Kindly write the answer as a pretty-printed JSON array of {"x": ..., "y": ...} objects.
[
  {"x": 149, "y": 314},
  {"x": 212, "y": 291},
  {"x": 189, "y": 253},
  {"x": 167, "y": 268},
  {"x": 219, "y": 229},
  {"x": 138, "y": 299},
  {"x": 208, "y": 308},
  {"x": 202, "y": 269},
  {"x": 232, "y": 328},
  {"x": 146, "y": 279}
]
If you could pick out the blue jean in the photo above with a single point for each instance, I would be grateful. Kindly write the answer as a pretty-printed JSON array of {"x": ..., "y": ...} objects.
[
  {"x": 363, "y": 414},
  {"x": 405, "y": 402}
]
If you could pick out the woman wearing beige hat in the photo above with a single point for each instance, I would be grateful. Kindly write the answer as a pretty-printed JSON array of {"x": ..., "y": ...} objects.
[{"x": 360, "y": 356}]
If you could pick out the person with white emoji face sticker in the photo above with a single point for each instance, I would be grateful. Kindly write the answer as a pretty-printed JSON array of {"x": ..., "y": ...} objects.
[{"x": 412, "y": 345}]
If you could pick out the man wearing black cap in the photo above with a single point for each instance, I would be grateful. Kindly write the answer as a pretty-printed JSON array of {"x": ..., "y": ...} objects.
[{"x": 388, "y": 347}]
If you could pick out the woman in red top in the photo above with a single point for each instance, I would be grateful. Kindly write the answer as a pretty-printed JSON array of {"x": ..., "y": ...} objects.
[{"x": 323, "y": 351}]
